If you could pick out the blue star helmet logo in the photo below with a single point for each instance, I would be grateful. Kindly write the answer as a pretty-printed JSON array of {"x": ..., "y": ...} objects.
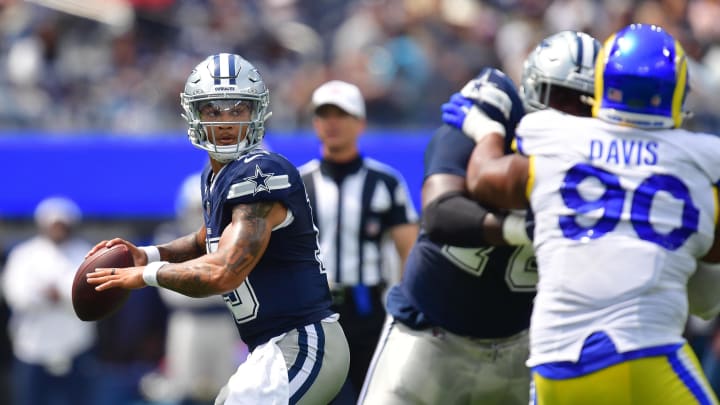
[{"x": 260, "y": 180}]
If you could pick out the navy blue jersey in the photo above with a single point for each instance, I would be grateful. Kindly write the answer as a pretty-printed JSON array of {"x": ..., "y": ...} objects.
[
  {"x": 484, "y": 292},
  {"x": 288, "y": 287}
]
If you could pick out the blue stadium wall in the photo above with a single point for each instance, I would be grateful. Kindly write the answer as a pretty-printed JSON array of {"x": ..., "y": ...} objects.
[{"x": 135, "y": 177}]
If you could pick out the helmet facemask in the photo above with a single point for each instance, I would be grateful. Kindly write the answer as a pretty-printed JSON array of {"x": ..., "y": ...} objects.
[
  {"x": 209, "y": 132},
  {"x": 562, "y": 63},
  {"x": 225, "y": 93}
]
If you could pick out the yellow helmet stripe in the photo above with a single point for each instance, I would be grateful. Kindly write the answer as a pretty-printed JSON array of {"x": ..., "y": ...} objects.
[
  {"x": 679, "y": 91},
  {"x": 599, "y": 70},
  {"x": 717, "y": 204}
]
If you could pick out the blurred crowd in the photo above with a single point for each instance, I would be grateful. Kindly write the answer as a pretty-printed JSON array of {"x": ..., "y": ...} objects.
[{"x": 119, "y": 65}]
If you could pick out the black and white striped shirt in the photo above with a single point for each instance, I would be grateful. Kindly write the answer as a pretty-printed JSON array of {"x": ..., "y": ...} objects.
[{"x": 354, "y": 204}]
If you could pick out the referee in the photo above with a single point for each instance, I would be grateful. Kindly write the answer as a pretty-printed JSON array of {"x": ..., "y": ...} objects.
[{"x": 357, "y": 202}]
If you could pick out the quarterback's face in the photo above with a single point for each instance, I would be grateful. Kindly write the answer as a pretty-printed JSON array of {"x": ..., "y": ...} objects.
[
  {"x": 336, "y": 128},
  {"x": 226, "y": 120}
]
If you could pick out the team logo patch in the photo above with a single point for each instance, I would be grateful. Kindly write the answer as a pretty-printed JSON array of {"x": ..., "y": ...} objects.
[{"x": 260, "y": 180}]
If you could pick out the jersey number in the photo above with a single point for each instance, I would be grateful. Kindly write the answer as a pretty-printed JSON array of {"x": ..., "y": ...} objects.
[
  {"x": 242, "y": 302},
  {"x": 612, "y": 203},
  {"x": 520, "y": 271}
]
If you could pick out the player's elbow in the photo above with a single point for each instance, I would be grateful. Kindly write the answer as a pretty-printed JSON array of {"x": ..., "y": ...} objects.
[
  {"x": 207, "y": 279},
  {"x": 488, "y": 189},
  {"x": 224, "y": 281},
  {"x": 437, "y": 230}
]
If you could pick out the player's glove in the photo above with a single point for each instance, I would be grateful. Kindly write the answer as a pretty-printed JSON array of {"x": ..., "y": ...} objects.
[
  {"x": 487, "y": 104},
  {"x": 463, "y": 114},
  {"x": 455, "y": 110}
]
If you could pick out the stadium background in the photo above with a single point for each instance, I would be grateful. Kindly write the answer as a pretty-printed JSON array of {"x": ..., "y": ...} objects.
[{"x": 89, "y": 104}]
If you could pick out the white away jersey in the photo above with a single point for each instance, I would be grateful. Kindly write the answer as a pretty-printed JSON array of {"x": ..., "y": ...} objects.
[{"x": 621, "y": 216}]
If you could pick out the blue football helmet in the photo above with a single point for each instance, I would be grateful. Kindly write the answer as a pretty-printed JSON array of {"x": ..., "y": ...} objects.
[
  {"x": 642, "y": 78},
  {"x": 225, "y": 81}
]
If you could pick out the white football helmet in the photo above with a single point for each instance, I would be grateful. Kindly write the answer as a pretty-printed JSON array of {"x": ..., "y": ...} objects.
[
  {"x": 565, "y": 59},
  {"x": 225, "y": 77}
]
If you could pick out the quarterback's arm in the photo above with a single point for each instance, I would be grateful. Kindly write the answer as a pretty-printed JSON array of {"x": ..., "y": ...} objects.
[
  {"x": 184, "y": 248},
  {"x": 497, "y": 180},
  {"x": 241, "y": 246},
  {"x": 450, "y": 217}
]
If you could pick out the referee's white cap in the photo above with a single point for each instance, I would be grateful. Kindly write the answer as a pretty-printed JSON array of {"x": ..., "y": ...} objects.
[{"x": 341, "y": 94}]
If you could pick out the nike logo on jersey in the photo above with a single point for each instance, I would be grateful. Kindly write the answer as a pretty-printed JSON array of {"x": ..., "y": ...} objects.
[{"x": 251, "y": 158}]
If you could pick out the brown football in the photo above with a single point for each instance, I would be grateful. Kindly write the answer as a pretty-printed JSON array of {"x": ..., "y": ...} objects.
[{"x": 92, "y": 305}]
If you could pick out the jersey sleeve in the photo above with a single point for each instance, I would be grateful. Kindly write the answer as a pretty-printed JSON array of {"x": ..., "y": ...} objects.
[
  {"x": 537, "y": 132},
  {"x": 265, "y": 178},
  {"x": 448, "y": 152},
  {"x": 496, "y": 95}
]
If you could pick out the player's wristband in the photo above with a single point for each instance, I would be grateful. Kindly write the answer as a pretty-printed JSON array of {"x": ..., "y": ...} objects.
[
  {"x": 514, "y": 230},
  {"x": 477, "y": 125},
  {"x": 152, "y": 253},
  {"x": 150, "y": 273}
]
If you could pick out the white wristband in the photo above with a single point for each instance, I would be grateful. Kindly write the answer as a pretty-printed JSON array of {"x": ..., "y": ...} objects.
[
  {"x": 477, "y": 125},
  {"x": 150, "y": 273},
  {"x": 514, "y": 231},
  {"x": 152, "y": 253}
]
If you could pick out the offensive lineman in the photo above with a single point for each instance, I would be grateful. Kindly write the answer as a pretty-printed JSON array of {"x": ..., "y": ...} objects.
[{"x": 457, "y": 330}]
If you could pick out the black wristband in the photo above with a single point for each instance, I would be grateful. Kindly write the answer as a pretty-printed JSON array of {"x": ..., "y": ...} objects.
[{"x": 454, "y": 219}]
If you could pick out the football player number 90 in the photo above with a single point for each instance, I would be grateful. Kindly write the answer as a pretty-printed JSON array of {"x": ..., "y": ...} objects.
[{"x": 612, "y": 202}]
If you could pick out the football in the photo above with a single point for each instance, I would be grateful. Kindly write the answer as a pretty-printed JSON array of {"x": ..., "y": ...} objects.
[{"x": 92, "y": 305}]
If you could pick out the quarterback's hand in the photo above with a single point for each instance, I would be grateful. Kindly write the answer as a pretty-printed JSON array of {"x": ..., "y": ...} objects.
[
  {"x": 139, "y": 256},
  {"x": 129, "y": 278}
]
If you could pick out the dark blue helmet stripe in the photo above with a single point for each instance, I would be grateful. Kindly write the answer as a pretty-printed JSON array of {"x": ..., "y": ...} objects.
[
  {"x": 232, "y": 73},
  {"x": 579, "y": 60},
  {"x": 216, "y": 72},
  {"x": 596, "y": 49}
]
